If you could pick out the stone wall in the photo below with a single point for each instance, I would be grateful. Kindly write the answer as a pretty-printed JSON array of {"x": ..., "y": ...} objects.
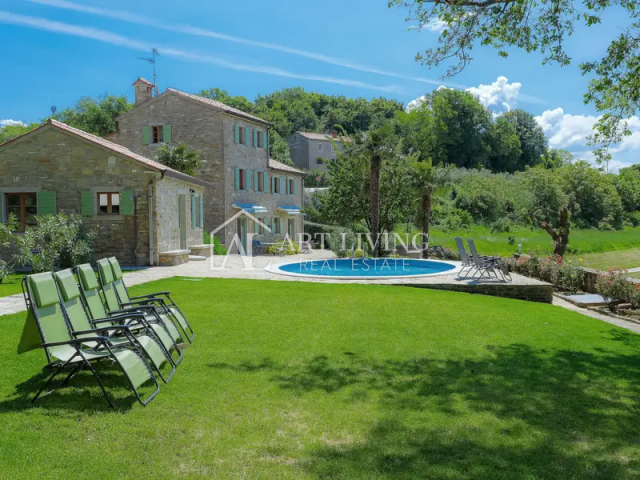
[
  {"x": 51, "y": 160},
  {"x": 533, "y": 293},
  {"x": 167, "y": 220}
]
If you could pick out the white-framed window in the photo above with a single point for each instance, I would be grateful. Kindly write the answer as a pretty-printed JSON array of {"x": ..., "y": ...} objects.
[
  {"x": 277, "y": 227},
  {"x": 157, "y": 134},
  {"x": 276, "y": 184},
  {"x": 319, "y": 160},
  {"x": 319, "y": 147},
  {"x": 260, "y": 138},
  {"x": 242, "y": 135},
  {"x": 291, "y": 186},
  {"x": 108, "y": 203},
  {"x": 198, "y": 213},
  {"x": 242, "y": 179}
]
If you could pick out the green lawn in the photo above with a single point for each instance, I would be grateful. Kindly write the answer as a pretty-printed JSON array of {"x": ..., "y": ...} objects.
[
  {"x": 293, "y": 380},
  {"x": 603, "y": 261},
  {"x": 10, "y": 285},
  {"x": 583, "y": 241}
]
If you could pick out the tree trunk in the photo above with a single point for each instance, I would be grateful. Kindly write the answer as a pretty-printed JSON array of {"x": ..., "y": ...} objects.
[
  {"x": 374, "y": 202},
  {"x": 561, "y": 236},
  {"x": 426, "y": 221}
]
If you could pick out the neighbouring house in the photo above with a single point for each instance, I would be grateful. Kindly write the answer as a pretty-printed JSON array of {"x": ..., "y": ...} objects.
[
  {"x": 312, "y": 151},
  {"x": 234, "y": 149},
  {"x": 142, "y": 211}
]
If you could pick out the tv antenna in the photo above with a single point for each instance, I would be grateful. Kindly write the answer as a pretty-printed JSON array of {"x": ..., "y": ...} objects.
[
  {"x": 152, "y": 61},
  {"x": 54, "y": 109}
]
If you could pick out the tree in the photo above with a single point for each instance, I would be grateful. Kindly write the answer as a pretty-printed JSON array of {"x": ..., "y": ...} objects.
[
  {"x": 533, "y": 141},
  {"x": 95, "y": 115},
  {"x": 349, "y": 201},
  {"x": 547, "y": 205},
  {"x": 180, "y": 157},
  {"x": 542, "y": 26},
  {"x": 556, "y": 158},
  {"x": 239, "y": 102},
  {"x": 505, "y": 146},
  {"x": 627, "y": 184},
  {"x": 428, "y": 179},
  {"x": 450, "y": 127},
  {"x": 9, "y": 132},
  {"x": 278, "y": 148}
]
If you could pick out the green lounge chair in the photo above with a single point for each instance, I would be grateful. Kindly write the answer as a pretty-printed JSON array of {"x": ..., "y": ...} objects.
[
  {"x": 64, "y": 349},
  {"x": 114, "y": 302},
  {"x": 90, "y": 289},
  {"x": 163, "y": 299},
  {"x": 79, "y": 320}
]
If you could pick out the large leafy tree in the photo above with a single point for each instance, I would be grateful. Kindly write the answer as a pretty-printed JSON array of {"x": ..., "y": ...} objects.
[
  {"x": 450, "y": 127},
  {"x": 533, "y": 141},
  {"x": 95, "y": 115},
  {"x": 239, "y": 102},
  {"x": 505, "y": 146},
  {"x": 543, "y": 26}
]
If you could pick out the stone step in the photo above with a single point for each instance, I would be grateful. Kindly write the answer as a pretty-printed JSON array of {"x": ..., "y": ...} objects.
[{"x": 197, "y": 258}]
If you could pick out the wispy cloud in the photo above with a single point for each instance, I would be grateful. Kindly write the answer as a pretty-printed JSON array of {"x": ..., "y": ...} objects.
[
  {"x": 10, "y": 123},
  {"x": 191, "y": 30},
  {"x": 119, "y": 40}
]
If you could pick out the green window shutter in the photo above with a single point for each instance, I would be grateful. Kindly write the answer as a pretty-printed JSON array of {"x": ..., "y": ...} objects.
[
  {"x": 266, "y": 182},
  {"x": 286, "y": 186},
  {"x": 255, "y": 181},
  {"x": 248, "y": 177},
  {"x": 145, "y": 135},
  {"x": 87, "y": 203},
  {"x": 237, "y": 133},
  {"x": 47, "y": 203},
  {"x": 280, "y": 184},
  {"x": 237, "y": 178},
  {"x": 127, "y": 204},
  {"x": 166, "y": 134},
  {"x": 272, "y": 180},
  {"x": 247, "y": 136},
  {"x": 295, "y": 186},
  {"x": 256, "y": 226},
  {"x": 266, "y": 141},
  {"x": 193, "y": 212},
  {"x": 255, "y": 138},
  {"x": 201, "y": 212}
]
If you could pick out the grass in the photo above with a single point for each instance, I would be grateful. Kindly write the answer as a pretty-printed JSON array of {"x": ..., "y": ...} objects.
[
  {"x": 603, "y": 261},
  {"x": 10, "y": 285},
  {"x": 294, "y": 380},
  {"x": 580, "y": 241}
]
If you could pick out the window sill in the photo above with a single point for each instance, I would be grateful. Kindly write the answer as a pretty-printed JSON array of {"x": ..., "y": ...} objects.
[{"x": 108, "y": 218}]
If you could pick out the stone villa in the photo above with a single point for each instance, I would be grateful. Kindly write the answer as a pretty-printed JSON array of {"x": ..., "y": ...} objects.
[
  {"x": 312, "y": 151},
  {"x": 234, "y": 148}
]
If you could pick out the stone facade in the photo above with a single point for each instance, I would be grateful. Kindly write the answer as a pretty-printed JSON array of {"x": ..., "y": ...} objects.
[
  {"x": 307, "y": 149},
  {"x": 53, "y": 160},
  {"x": 212, "y": 131}
]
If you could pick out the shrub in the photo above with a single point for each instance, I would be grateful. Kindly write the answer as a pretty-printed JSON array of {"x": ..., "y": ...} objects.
[
  {"x": 218, "y": 248},
  {"x": 5, "y": 270},
  {"x": 502, "y": 225},
  {"x": 569, "y": 277},
  {"x": 58, "y": 241},
  {"x": 290, "y": 248},
  {"x": 614, "y": 287},
  {"x": 635, "y": 295}
]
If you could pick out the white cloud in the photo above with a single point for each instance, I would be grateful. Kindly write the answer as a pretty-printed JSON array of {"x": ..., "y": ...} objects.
[
  {"x": 119, "y": 40},
  {"x": 499, "y": 94},
  {"x": 9, "y": 123},
  {"x": 435, "y": 25}
]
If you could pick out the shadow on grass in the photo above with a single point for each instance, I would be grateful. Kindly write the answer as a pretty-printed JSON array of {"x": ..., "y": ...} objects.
[
  {"x": 517, "y": 413},
  {"x": 81, "y": 394}
]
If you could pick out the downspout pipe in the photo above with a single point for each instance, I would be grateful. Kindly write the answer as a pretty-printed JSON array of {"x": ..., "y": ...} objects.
[{"x": 150, "y": 202}]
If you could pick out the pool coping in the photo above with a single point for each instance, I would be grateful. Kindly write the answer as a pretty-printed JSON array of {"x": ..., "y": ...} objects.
[{"x": 276, "y": 269}]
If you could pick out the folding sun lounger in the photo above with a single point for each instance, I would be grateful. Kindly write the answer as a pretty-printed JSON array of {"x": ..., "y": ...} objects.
[
  {"x": 161, "y": 299},
  {"x": 140, "y": 331},
  {"x": 485, "y": 264},
  {"x": 65, "y": 350},
  {"x": 464, "y": 257},
  {"x": 90, "y": 289}
]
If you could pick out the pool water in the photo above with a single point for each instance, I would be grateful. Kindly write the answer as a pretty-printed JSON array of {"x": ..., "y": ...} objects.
[{"x": 366, "y": 267}]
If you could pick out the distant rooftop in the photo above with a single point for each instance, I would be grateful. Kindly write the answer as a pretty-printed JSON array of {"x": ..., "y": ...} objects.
[
  {"x": 276, "y": 165},
  {"x": 322, "y": 136}
]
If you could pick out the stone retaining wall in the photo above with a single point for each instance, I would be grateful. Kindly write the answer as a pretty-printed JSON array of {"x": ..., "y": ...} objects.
[{"x": 533, "y": 293}]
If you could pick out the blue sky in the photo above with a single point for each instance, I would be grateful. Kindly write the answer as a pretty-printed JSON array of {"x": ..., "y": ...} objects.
[{"x": 55, "y": 53}]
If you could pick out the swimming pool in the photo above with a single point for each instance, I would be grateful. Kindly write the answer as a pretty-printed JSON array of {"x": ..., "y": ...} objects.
[{"x": 365, "y": 268}]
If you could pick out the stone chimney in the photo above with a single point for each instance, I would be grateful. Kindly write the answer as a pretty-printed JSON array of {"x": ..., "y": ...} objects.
[{"x": 144, "y": 90}]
